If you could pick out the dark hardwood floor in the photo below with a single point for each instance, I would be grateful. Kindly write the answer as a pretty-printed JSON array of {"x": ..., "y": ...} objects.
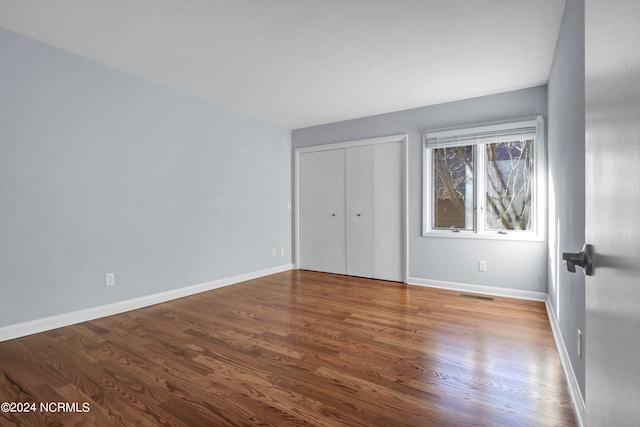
[{"x": 297, "y": 349}]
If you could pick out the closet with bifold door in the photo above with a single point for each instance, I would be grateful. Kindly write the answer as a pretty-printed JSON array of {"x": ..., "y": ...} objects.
[{"x": 351, "y": 208}]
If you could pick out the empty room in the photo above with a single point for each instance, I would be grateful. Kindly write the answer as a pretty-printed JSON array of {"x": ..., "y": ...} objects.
[{"x": 319, "y": 213}]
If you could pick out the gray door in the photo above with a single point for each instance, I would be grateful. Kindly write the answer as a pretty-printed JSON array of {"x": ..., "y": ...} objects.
[{"x": 612, "y": 56}]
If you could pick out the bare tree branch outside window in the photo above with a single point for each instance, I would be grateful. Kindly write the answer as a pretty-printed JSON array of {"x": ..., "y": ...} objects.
[
  {"x": 508, "y": 185},
  {"x": 453, "y": 177},
  {"x": 508, "y": 170}
]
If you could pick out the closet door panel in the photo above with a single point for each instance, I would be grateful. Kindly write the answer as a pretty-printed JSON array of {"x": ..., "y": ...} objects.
[
  {"x": 359, "y": 214},
  {"x": 333, "y": 212},
  {"x": 388, "y": 202},
  {"x": 310, "y": 211}
]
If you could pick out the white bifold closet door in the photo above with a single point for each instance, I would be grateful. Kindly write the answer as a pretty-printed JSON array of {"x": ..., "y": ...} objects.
[
  {"x": 322, "y": 229},
  {"x": 388, "y": 211},
  {"x": 359, "y": 212},
  {"x": 310, "y": 211},
  {"x": 333, "y": 223},
  {"x": 350, "y": 211}
]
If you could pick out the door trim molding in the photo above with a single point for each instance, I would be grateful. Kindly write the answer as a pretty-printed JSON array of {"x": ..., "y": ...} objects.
[
  {"x": 353, "y": 143},
  {"x": 402, "y": 138}
]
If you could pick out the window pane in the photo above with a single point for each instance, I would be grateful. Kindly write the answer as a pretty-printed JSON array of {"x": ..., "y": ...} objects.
[
  {"x": 453, "y": 187},
  {"x": 509, "y": 185}
]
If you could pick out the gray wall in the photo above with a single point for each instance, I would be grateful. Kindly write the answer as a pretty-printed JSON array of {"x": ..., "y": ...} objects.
[
  {"x": 566, "y": 94},
  {"x": 101, "y": 171},
  {"x": 511, "y": 264}
]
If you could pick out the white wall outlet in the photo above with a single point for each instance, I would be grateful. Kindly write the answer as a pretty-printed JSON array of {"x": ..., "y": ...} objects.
[
  {"x": 482, "y": 266},
  {"x": 110, "y": 279},
  {"x": 273, "y": 252},
  {"x": 289, "y": 205},
  {"x": 281, "y": 251},
  {"x": 579, "y": 343}
]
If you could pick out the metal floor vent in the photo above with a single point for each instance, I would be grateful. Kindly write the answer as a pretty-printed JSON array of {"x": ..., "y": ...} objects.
[{"x": 480, "y": 297}]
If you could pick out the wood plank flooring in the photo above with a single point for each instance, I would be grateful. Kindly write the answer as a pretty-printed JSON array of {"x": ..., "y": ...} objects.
[{"x": 296, "y": 349}]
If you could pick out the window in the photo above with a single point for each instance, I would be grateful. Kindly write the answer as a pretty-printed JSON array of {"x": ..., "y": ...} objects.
[{"x": 481, "y": 181}]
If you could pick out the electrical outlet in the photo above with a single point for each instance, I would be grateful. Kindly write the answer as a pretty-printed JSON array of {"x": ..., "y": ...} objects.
[
  {"x": 579, "y": 343},
  {"x": 273, "y": 252},
  {"x": 110, "y": 279},
  {"x": 289, "y": 205},
  {"x": 281, "y": 251},
  {"x": 482, "y": 266}
]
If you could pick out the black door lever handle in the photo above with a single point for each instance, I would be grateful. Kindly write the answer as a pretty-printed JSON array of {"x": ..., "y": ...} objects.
[{"x": 583, "y": 258}]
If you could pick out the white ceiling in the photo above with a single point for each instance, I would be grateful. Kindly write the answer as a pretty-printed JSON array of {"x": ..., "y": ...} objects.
[{"x": 298, "y": 63}]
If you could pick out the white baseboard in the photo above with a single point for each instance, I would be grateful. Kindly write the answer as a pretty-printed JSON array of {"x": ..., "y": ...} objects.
[
  {"x": 47, "y": 323},
  {"x": 574, "y": 389},
  {"x": 478, "y": 289}
]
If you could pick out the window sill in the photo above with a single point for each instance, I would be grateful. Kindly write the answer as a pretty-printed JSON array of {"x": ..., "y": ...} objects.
[{"x": 513, "y": 236}]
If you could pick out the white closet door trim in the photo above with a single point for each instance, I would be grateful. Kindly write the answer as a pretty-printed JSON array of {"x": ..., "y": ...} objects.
[
  {"x": 354, "y": 143},
  {"x": 403, "y": 138}
]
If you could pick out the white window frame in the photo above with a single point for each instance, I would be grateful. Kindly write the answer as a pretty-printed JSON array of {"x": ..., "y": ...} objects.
[{"x": 480, "y": 135}]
